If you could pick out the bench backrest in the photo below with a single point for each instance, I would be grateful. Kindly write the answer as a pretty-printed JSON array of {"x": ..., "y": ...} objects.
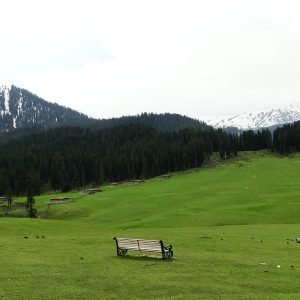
[{"x": 141, "y": 245}]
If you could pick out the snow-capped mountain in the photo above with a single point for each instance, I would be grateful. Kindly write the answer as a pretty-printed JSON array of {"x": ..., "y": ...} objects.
[
  {"x": 21, "y": 109},
  {"x": 259, "y": 119}
]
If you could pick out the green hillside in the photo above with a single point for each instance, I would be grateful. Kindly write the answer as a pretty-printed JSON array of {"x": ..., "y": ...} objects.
[{"x": 232, "y": 227}]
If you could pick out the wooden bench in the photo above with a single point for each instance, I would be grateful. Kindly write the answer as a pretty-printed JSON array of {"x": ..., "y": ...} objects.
[{"x": 125, "y": 244}]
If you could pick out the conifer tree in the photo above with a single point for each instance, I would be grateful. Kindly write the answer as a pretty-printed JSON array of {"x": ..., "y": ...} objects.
[
  {"x": 9, "y": 194},
  {"x": 32, "y": 212}
]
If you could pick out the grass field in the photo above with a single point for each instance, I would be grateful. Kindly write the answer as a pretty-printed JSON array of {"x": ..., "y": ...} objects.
[{"x": 232, "y": 228}]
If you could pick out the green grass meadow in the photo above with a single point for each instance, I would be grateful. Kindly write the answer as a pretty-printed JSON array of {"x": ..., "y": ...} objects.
[{"x": 232, "y": 227}]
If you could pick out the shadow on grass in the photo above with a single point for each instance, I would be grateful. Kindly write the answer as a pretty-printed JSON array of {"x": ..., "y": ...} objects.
[{"x": 145, "y": 258}]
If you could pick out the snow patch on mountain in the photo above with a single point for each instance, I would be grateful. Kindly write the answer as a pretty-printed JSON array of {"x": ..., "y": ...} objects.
[
  {"x": 212, "y": 120},
  {"x": 6, "y": 99},
  {"x": 259, "y": 119},
  {"x": 20, "y": 103}
]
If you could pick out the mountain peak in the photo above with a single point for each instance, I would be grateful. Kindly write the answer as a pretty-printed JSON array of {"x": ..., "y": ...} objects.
[{"x": 260, "y": 119}]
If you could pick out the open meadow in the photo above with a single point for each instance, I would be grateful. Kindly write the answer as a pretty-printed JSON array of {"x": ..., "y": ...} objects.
[{"x": 232, "y": 226}]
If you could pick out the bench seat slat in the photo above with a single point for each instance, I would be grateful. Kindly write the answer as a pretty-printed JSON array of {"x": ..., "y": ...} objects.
[
  {"x": 140, "y": 242},
  {"x": 128, "y": 243},
  {"x": 142, "y": 248},
  {"x": 151, "y": 250},
  {"x": 125, "y": 239},
  {"x": 145, "y": 242},
  {"x": 129, "y": 248}
]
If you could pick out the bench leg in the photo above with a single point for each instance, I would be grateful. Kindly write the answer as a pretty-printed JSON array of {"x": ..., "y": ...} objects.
[
  {"x": 167, "y": 254},
  {"x": 121, "y": 252}
]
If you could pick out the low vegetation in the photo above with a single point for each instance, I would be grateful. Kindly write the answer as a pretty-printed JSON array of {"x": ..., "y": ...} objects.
[{"x": 232, "y": 227}]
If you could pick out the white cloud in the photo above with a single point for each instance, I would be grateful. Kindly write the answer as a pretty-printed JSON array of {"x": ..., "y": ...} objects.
[{"x": 112, "y": 58}]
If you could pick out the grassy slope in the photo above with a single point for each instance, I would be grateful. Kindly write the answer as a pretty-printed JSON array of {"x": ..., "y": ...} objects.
[{"x": 223, "y": 222}]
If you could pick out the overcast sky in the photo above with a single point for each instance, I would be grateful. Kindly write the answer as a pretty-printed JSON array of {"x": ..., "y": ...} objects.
[{"x": 112, "y": 58}]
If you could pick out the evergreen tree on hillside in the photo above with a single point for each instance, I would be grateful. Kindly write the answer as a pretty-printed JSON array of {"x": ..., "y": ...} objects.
[
  {"x": 252, "y": 141},
  {"x": 32, "y": 212},
  {"x": 287, "y": 138},
  {"x": 9, "y": 195}
]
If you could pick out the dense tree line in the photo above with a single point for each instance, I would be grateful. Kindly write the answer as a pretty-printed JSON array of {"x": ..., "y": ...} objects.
[
  {"x": 287, "y": 138},
  {"x": 67, "y": 158},
  {"x": 163, "y": 122},
  {"x": 255, "y": 140}
]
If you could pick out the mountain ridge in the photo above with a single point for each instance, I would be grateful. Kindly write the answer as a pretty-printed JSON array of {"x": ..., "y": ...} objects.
[
  {"x": 21, "y": 109},
  {"x": 259, "y": 118}
]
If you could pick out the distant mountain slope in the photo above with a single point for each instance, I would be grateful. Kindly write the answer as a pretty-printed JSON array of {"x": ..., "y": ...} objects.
[
  {"x": 261, "y": 119},
  {"x": 20, "y": 108},
  {"x": 163, "y": 122}
]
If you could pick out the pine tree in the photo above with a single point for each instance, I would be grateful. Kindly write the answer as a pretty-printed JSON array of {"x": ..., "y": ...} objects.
[
  {"x": 9, "y": 194},
  {"x": 32, "y": 212}
]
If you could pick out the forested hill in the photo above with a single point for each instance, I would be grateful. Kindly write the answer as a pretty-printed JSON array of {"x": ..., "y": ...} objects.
[
  {"x": 163, "y": 122},
  {"x": 66, "y": 158},
  {"x": 21, "y": 109}
]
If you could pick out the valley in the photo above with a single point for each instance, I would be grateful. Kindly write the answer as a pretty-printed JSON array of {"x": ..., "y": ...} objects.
[{"x": 232, "y": 226}]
